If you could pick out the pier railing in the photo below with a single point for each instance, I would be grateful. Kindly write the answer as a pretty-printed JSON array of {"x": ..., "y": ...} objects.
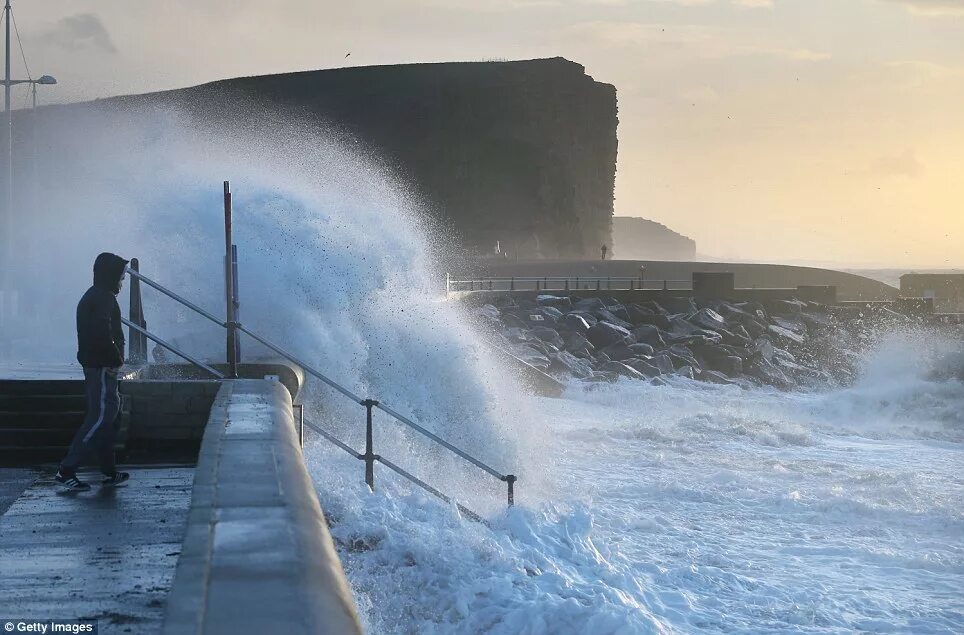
[
  {"x": 565, "y": 283},
  {"x": 139, "y": 335}
]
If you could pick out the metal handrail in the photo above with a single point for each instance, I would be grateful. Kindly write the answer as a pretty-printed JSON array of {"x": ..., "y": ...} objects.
[
  {"x": 172, "y": 348},
  {"x": 408, "y": 475},
  {"x": 562, "y": 283},
  {"x": 369, "y": 456},
  {"x": 308, "y": 369},
  {"x": 440, "y": 441},
  {"x": 176, "y": 297}
]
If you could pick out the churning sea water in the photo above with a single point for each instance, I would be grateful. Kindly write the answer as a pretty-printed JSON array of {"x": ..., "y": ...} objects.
[{"x": 694, "y": 508}]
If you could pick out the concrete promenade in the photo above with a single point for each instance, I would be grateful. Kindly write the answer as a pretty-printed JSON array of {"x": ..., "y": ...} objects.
[{"x": 107, "y": 555}]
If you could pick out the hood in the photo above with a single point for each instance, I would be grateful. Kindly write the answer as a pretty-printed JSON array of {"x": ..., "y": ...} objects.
[{"x": 108, "y": 269}]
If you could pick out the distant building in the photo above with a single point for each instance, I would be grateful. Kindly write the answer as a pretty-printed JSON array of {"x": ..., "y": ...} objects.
[
  {"x": 643, "y": 239},
  {"x": 945, "y": 289}
]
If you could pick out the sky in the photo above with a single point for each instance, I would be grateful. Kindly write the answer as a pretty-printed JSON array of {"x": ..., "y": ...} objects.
[{"x": 824, "y": 131}]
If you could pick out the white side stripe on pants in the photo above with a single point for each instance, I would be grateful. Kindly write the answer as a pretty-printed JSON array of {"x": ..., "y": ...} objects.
[{"x": 103, "y": 405}]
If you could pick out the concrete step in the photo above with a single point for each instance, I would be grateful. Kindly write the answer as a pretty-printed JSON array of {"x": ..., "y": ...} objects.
[
  {"x": 22, "y": 387},
  {"x": 42, "y": 403},
  {"x": 41, "y": 420},
  {"x": 32, "y": 437}
]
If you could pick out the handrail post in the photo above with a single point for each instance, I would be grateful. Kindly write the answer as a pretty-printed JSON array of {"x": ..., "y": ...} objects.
[
  {"x": 137, "y": 351},
  {"x": 300, "y": 407},
  {"x": 232, "y": 334},
  {"x": 369, "y": 456},
  {"x": 510, "y": 482}
]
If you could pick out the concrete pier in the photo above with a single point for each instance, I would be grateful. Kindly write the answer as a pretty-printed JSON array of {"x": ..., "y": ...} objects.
[
  {"x": 232, "y": 540},
  {"x": 107, "y": 555}
]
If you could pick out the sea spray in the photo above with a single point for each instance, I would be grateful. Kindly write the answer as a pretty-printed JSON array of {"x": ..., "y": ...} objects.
[{"x": 335, "y": 265}]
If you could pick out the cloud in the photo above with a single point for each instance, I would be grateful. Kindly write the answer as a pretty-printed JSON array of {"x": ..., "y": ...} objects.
[
  {"x": 933, "y": 8},
  {"x": 79, "y": 32}
]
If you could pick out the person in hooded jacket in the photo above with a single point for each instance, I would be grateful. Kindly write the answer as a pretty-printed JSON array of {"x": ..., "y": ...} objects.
[{"x": 100, "y": 350}]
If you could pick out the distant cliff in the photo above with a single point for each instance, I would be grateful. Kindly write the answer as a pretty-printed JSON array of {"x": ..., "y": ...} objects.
[
  {"x": 642, "y": 239},
  {"x": 518, "y": 152}
]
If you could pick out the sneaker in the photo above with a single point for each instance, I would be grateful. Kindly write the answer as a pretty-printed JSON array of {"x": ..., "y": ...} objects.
[
  {"x": 71, "y": 483},
  {"x": 115, "y": 480}
]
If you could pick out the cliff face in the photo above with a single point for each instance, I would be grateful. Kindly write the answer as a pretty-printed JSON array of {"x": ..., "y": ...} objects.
[
  {"x": 518, "y": 152},
  {"x": 642, "y": 239}
]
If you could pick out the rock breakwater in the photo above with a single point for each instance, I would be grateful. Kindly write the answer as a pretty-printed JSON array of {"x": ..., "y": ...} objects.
[{"x": 780, "y": 343}]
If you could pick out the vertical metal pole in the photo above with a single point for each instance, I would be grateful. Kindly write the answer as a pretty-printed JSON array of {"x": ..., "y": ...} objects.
[
  {"x": 137, "y": 352},
  {"x": 369, "y": 455},
  {"x": 229, "y": 287},
  {"x": 510, "y": 482},
  {"x": 7, "y": 257},
  {"x": 301, "y": 423},
  {"x": 237, "y": 300}
]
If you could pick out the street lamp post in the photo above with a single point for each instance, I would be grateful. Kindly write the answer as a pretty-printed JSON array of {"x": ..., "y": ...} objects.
[{"x": 7, "y": 246}]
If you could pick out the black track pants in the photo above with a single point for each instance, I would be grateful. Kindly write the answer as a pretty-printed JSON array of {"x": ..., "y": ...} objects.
[{"x": 96, "y": 436}]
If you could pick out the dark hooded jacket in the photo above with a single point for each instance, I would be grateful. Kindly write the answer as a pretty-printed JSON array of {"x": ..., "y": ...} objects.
[{"x": 100, "y": 340}]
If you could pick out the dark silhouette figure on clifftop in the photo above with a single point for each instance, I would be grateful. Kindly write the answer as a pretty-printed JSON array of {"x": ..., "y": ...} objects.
[{"x": 100, "y": 350}]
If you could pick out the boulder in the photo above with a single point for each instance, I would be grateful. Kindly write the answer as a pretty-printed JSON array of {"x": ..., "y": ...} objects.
[
  {"x": 643, "y": 367},
  {"x": 636, "y": 311},
  {"x": 660, "y": 320},
  {"x": 565, "y": 362},
  {"x": 731, "y": 366},
  {"x": 653, "y": 306},
  {"x": 649, "y": 334},
  {"x": 619, "y": 351},
  {"x": 512, "y": 320},
  {"x": 577, "y": 343},
  {"x": 575, "y": 322},
  {"x": 713, "y": 377},
  {"x": 682, "y": 356},
  {"x": 552, "y": 313},
  {"x": 708, "y": 319},
  {"x": 641, "y": 348},
  {"x": 621, "y": 369},
  {"x": 786, "y": 307},
  {"x": 685, "y": 371},
  {"x": 532, "y": 356},
  {"x": 619, "y": 311},
  {"x": 754, "y": 327},
  {"x": 678, "y": 304},
  {"x": 736, "y": 336},
  {"x": 784, "y": 336},
  {"x": 563, "y": 303},
  {"x": 794, "y": 323},
  {"x": 663, "y": 362},
  {"x": 767, "y": 373},
  {"x": 762, "y": 347},
  {"x": 588, "y": 305},
  {"x": 549, "y": 335},
  {"x": 605, "y": 316},
  {"x": 602, "y": 376},
  {"x": 602, "y": 334}
]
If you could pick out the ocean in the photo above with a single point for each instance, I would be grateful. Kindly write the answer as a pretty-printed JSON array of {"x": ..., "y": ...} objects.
[{"x": 691, "y": 508}]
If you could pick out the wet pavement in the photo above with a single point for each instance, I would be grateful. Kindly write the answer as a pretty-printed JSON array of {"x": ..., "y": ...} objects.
[
  {"x": 13, "y": 481},
  {"x": 107, "y": 555}
]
